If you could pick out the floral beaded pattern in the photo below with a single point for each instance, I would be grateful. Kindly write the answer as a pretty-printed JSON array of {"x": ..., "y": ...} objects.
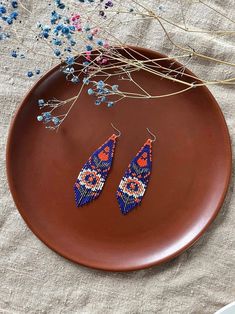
[
  {"x": 91, "y": 178},
  {"x": 135, "y": 180}
]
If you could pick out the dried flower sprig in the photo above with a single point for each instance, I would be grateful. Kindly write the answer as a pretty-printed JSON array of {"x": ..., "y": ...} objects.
[{"x": 94, "y": 32}]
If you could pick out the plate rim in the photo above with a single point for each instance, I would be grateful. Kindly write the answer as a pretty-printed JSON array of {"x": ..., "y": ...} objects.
[{"x": 96, "y": 265}]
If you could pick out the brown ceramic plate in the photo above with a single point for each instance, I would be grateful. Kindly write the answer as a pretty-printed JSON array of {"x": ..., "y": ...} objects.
[{"x": 190, "y": 174}]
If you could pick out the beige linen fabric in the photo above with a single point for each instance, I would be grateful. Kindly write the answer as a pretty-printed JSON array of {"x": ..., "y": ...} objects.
[{"x": 34, "y": 279}]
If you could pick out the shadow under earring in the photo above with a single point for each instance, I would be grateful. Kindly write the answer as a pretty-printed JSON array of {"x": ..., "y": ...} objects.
[
  {"x": 93, "y": 175},
  {"x": 135, "y": 180}
]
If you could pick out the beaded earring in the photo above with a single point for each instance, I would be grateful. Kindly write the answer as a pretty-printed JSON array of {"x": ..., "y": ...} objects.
[
  {"x": 93, "y": 175},
  {"x": 135, "y": 180}
]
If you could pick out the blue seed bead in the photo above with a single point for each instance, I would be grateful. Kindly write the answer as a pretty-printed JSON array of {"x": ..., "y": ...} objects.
[
  {"x": 110, "y": 104},
  {"x": 86, "y": 63},
  {"x": 103, "y": 99},
  {"x": 29, "y": 73},
  {"x": 90, "y": 91},
  {"x": 55, "y": 120},
  {"x": 41, "y": 102},
  {"x": 99, "y": 42},
  {"x": 38, "y": 71},
  {"x": 39, "y": 118},
  {"x": 89, "y": 48},
  {"x": 97, "y": 102}
]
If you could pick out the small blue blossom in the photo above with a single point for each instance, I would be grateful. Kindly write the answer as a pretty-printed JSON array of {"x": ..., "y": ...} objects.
[
  {"x": 45, "y": 34},
  {"x": 59, "y": 27},
  {"x": 14, "y": 4},
  {"x": 115, "y": 88},
  {"x": 56, "y": 42},
  {"x": 89, "y": 48},
  {"x": 90, "y": 91},
  {"x": 13, "y": 15},
  {"x": 46, "y": 116},
  {"x": 29, "y": 73},
  {"x": 65, "y": 30},
  {"x": 87, "y": 28},
  {"x": 9, "y": 21},
  {"x": 100, "y": 84},
  {"x": 14, "y": 54},
  {"x": 68, "y": 70},
  {"x": 75, "y": 79},
  {"x": 86, "y": 81},
  {"x": 89, "y": 37},
  {"x": 68, "y": 49},
  {"x": 103, "y": 99},
  {"x": 110, "y": 104},
  {"x": 41, "y": 102},
  {"x": 72, "y": 42},
  {"x": 3, "y": 9},
  {"x": 57, "y": 52},
  {"x": 100, "y": 42},
  {"x": 39, "y": 118},
  {"x": 55, "y": 120},
  {"x": 70, "y": 60}
]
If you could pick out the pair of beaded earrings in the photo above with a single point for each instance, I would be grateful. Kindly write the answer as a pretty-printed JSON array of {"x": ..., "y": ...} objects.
[{"x": 93, "y": 175}]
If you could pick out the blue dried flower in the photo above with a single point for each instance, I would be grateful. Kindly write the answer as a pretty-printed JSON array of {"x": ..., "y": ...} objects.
[
  {"x": 41, "y": 102},
  {"x": 3, "y": 9},
  {"x": 90, "y": 91},
  {"x": 55, "y": 120},
  {"x": 75, "y": 79},
  {"x": 57, "y": 52},
  {"x": 110, "y": 104},
  {"x": 39, "y": 118},
  {"x": 89, "y": 48},
  {"x": 29, "y": 73},
  {"x": 70, "y": 60},
  {"x": 86, "y": 81},
  {"x": 14, "y": 4},
  {"x": 14, "y": 54},
  {"x": 115, "y": 88}
]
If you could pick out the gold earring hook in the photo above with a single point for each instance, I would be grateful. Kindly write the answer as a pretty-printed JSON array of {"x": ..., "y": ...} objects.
[
  {"x": 153, "y": 135},
  {"x": 119, "y": 132}
]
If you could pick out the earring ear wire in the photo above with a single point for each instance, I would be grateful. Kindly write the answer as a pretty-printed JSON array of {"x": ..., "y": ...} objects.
[
  {"x": 153, "y": 135},
  {"x": 119, "y": 132}
]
